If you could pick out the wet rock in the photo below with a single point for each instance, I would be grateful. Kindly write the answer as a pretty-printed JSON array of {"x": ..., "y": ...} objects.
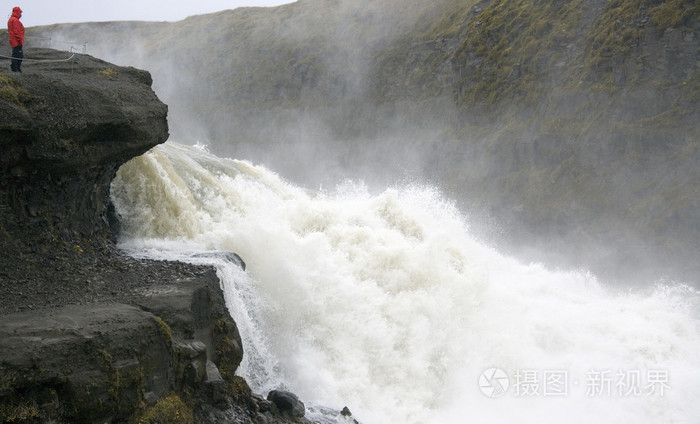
[
  {"x": 262, "y": 404},
  {"x": 226, "y": 256},
  {"x": 348, "y": 415},
  {"x": 215, "y": 386},
  {"x": 287, "y": 402}
]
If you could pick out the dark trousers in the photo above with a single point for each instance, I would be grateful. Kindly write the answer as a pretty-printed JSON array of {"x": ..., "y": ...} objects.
[{"x": 17, "y": 56}]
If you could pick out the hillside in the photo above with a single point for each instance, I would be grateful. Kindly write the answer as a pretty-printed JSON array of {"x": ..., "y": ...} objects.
[{"x": 571, "y": 124}]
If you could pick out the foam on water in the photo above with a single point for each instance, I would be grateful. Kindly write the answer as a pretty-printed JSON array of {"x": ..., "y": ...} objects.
[{"x": 387, "y": 304}]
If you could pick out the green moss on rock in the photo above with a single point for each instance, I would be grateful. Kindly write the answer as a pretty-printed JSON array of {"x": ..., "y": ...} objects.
[
  {"x": 165, "y": 330},
  {"x": 170, "y": 410},
  {"x": 19, "y": 411},
  {"x": 227, "y": 351},
  {"x": 10, "y": 90},
  {"x": 673, "y": 13},
  {"x": 511, "y": 47},
  {"x": 622, "y": 26}
]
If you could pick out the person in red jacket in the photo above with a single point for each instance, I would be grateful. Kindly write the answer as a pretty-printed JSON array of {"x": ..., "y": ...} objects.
[{"x": 15, "y": 30}]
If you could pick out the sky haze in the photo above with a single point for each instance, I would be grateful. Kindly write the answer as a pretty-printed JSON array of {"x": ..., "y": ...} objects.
[{"x": 41, "y": 12}]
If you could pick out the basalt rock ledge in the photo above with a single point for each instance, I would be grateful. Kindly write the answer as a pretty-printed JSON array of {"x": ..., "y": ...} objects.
[
  {"x": 67, "y": 127},
  {"x": 88, "y": 334}
]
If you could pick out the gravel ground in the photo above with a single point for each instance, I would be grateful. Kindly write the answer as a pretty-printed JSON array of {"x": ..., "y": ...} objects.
[{"x": 34, "y": 281}]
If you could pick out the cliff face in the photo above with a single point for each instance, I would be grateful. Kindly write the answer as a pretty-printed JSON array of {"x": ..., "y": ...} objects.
[{"x": 87, "y": 334}]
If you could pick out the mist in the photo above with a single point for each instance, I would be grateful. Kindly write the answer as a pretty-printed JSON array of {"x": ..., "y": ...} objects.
[{"x": 324, "y": 92}]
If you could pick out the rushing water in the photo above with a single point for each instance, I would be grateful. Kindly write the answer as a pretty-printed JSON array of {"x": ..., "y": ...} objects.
[{"x": 386, "y": 303}]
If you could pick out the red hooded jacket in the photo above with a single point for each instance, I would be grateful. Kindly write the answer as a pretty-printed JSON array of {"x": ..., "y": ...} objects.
[{"x": 15, "y": 29}]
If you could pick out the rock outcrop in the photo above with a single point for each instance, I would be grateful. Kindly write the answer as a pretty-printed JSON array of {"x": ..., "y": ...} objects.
[
  {"x": 67, "y": 127},
  {"x": 105, "y": 361},
  {"x": 88, "y": 334},
  {"x": 110, "y": 362}
]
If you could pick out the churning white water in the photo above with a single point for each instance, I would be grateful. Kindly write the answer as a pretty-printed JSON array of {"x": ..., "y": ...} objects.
[{"x": 386, "y": 303}]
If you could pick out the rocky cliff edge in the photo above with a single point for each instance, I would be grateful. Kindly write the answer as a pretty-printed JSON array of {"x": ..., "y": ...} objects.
[{"x": 88, "y": 334}]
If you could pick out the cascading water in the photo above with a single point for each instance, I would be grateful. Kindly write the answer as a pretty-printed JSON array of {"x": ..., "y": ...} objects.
[{"x": 386, "y": 303}]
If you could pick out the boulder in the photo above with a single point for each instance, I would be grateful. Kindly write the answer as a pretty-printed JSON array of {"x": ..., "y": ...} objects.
[{"x": 287, "y": 403}]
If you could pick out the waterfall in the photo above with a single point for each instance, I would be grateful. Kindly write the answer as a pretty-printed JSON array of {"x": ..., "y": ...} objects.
[{"x": 386, "y": 303}]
